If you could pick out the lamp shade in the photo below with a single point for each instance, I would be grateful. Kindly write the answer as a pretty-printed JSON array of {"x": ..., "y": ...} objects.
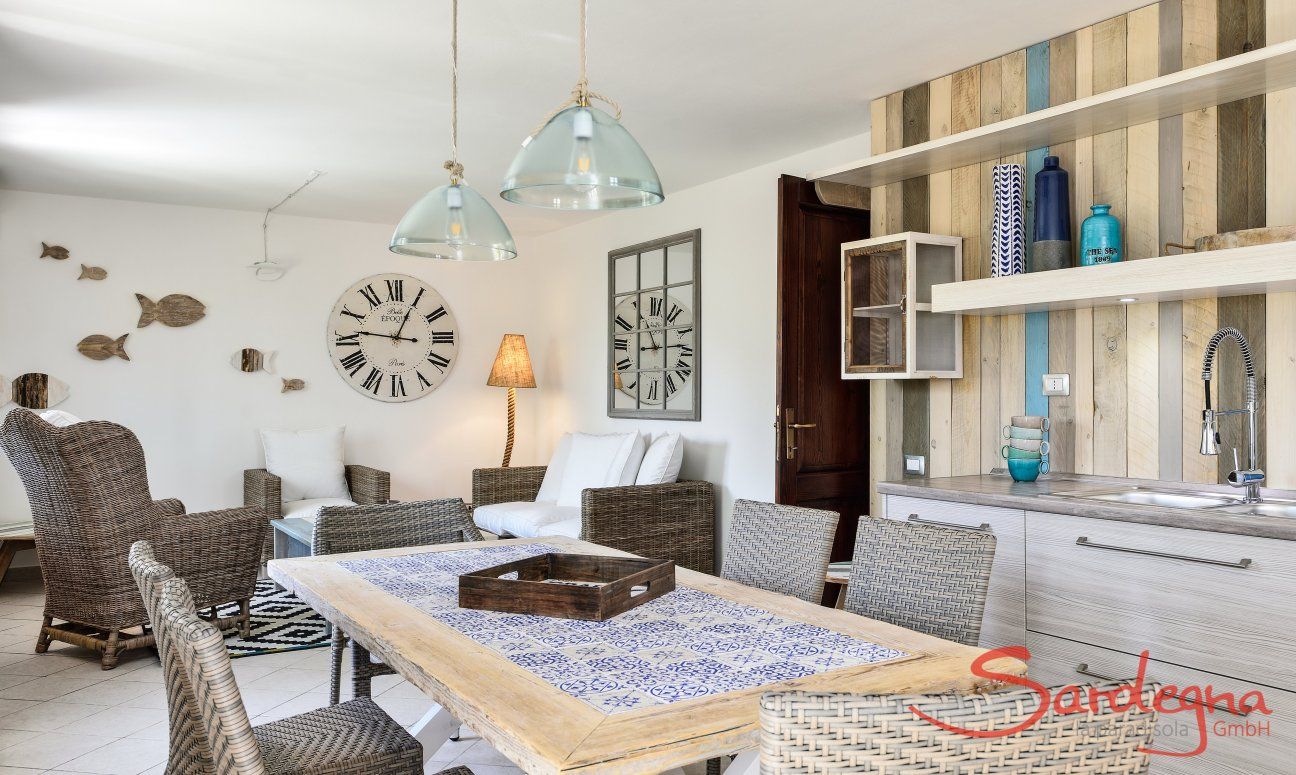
[
  {"x": 512, "y": 367},
  {"x": 453, "y": 222},
  {"x": 583, "y": 159}
]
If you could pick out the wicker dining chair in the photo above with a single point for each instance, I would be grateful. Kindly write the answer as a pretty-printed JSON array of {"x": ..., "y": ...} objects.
[
  {"x": 820, "y": 733},
  {"x": 342, "y": 529},
  {"x": 356, "y": 737},
  {"x": 779, "y": 548},
  {"x": 264, "y": 490},
  {"x": 88, "y": 488},
  {"x": 928, "y": 578}
]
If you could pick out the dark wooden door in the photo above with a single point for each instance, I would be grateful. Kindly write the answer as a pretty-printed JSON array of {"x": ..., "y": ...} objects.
[{"x": 828, "y": 469}]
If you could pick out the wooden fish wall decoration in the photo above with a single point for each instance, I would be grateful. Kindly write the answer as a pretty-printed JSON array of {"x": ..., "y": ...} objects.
[
  {"x": 92, "y": 273},
  {"x": 251, "y": 360},
  {"x": 56, "y": 252},
  {"x": 175, "y": 310},
  {"x": 37, "y": 391},
  {"x": 98, "y": 347},
  {"x": 290, "y": 385}
]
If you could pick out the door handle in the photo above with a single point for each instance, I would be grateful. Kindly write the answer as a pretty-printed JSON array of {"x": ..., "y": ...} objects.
[{"x": 790, "y": 427}]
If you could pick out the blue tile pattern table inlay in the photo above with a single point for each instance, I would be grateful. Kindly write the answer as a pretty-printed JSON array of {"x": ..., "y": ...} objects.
[{"x": 683, "y": 645}]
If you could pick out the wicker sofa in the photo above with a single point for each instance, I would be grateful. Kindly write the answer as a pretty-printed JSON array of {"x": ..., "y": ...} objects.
[
  {"x": 664, "y": 521},
  {"x": 88, "y": 489}
]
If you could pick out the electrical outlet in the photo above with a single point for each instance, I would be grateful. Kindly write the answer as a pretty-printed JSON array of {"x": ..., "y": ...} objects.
[
  {"x": 915, "y": 465},
  {"x": 1057, "y": 384}
]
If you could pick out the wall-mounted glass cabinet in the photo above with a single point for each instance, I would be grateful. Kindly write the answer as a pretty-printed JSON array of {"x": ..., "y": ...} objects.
[{"x": 888, "y": 328}]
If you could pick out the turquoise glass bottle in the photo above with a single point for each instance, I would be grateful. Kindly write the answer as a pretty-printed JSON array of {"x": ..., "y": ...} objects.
[{"x": 1100, "y": 237}]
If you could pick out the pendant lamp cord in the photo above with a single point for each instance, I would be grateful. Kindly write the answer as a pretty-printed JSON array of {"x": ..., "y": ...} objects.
[
  {"x": 452, "y": 165},
  {"x": 580, "y": 93}
]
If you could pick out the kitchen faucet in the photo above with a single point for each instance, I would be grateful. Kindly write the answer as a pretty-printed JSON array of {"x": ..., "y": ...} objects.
[{"x": 1251, "y": 476}]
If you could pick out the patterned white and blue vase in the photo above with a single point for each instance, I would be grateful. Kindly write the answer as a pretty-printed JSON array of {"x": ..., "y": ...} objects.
[{"x": 1008, "y": 230}]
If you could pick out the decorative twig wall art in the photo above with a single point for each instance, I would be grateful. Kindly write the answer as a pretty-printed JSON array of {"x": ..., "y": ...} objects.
[
  {"x": 92, "y": 273},
  {"x": 35, "y": 390},
  {"x": 56, "y": 252},
  {"x": 251, "y": 360}
]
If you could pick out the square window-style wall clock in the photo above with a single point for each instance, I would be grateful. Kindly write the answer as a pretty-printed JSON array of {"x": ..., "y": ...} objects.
[{"x": 654, "y": 329}]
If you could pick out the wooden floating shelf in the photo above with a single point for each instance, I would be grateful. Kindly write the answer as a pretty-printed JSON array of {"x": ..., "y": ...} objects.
[
  {"x": 1232, "y": 272},
  {"x": 1255, "y": 72}
]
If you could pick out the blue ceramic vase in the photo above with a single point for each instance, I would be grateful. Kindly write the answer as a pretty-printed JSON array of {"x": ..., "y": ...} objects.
[
  {"x": 1100, "y": 237},
  {"x": 1051, "y": 246}
]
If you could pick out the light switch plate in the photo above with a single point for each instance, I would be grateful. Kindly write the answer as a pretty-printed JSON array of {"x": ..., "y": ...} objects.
[
  {"x": 1057, "y": 384},
  {"x": 915, "y": 465}
]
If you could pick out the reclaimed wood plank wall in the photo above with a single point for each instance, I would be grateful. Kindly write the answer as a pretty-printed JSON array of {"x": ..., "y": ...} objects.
[{"x": 1136, "y": 395}]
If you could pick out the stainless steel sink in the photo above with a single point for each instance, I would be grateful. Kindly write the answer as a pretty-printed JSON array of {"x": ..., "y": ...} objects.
[
  {"x": 1142, "y": 496},
  {"x": 1263, "y": 509}
]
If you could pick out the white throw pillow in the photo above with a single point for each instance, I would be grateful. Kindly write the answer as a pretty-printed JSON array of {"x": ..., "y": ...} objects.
[
  {"x": 309, "y": 462},
  {"x": 594, "y": 461},
  {"x": 662, "y": 461},
  {"x": 552, "y": 484},
  {"x": 59, "y": 418}
]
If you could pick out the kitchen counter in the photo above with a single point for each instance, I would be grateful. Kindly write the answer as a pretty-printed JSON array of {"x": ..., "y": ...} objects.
[{"x": 1001, "y": 490}]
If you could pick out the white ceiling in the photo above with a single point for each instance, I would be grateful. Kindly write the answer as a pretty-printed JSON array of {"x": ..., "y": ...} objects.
[{"x": 230, "y": 103}]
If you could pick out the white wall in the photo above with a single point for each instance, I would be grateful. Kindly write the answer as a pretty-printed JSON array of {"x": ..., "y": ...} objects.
[
  {"x": 195, "y": 415},
  {"x": 734, "y": 443}
]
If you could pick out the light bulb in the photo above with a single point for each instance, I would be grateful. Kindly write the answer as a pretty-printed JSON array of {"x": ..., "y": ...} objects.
[
  {"x": 454, "y": 214},
  {"x": 582, "y": 159}
]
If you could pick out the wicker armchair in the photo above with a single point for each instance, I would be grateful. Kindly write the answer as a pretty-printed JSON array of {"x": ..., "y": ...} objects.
[
  {"x": 342, "y": 529},
  {"x": 264, "y": 490},
  {"x": 209, "y": 728},
  {"x": 802, "y": 733},
  {"x": 88, "y": 489},
  {"x": 663, "y": 521}
]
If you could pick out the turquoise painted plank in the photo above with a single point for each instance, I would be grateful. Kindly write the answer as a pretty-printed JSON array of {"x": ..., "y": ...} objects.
[{"x": 1037, "y": 323}]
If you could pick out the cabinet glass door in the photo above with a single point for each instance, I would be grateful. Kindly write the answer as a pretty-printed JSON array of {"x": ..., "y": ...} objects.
[{"x": 875, "y": 308}]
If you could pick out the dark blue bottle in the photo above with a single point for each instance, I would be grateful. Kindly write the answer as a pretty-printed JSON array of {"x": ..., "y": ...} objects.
[{"x": 1052, "y": 239}]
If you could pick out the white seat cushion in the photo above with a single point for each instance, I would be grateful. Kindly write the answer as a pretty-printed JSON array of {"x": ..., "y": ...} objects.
[
  {"x": 568, "y": 527},
  {"x": 308, "y": 509},
  {"x": 595, "y": 461},
  {"x": 663, "y": 460},
  {"x": 521, "y": 518},
  {"x": 309, "y": 463}
]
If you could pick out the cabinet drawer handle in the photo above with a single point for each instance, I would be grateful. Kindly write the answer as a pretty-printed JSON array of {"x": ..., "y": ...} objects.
[
  {"x": 984, "y": 527},
  {"x": 1083, "y": 669},
  {"x": 1243, "y": 563}
]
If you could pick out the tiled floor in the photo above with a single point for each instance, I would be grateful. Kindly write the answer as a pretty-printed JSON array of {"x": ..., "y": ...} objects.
[{"x": 59, "y": 713}]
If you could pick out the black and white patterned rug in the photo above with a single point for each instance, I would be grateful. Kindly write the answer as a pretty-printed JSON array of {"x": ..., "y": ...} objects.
[{"x": 280, "y": 622}]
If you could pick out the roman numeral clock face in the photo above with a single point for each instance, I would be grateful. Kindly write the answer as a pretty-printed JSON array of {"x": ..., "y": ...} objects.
[
  {"x": 653, "y": 347},
  {"x": 393, "y": 338}
]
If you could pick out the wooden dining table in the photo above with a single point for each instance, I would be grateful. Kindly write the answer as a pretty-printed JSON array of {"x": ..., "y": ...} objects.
[{"x": 400, "y": 604}]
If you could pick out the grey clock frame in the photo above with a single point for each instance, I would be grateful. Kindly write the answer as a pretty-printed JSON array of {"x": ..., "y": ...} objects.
[{"x": 662, "y": 413}]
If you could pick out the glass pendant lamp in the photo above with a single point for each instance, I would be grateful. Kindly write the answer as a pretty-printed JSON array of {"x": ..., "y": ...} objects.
[
  {"x": 581, "y": 158},
  {"x": 453, "y": 221}
]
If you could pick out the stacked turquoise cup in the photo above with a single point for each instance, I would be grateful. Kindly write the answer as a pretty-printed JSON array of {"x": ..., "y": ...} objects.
[{"x": 1027, "y": 448}]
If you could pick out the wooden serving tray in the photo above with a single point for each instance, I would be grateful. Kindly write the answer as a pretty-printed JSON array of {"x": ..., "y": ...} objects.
[{"x": 568, "y": 586}]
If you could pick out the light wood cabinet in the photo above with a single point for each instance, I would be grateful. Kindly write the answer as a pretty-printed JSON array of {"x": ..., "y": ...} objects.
[
  {"x": 1230, "y": 750},
  {"x": 1213, "y": 601},
  {"x": 1004, "y": 623},
  {"x": 889, "y": 330}
]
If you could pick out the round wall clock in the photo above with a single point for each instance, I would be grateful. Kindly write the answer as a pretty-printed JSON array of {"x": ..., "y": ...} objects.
[{"x": 392, "y": 337}]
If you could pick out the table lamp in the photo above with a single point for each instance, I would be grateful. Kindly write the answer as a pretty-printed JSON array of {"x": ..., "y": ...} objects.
[{"x": 512, "y": 370}]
